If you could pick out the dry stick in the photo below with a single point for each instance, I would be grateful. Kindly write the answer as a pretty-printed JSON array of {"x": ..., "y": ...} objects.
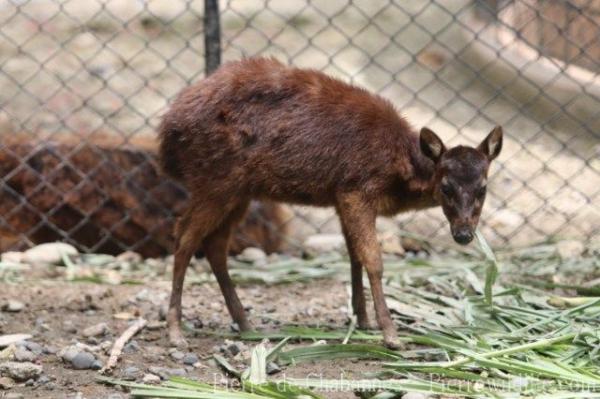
[{"x": 117, "y": 348}]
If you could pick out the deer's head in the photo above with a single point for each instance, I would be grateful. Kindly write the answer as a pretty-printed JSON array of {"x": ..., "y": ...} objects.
[{"x": 460, "y": 179}]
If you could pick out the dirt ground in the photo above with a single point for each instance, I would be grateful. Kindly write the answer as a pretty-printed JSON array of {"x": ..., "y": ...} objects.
[{"x": 57, "y": 312}]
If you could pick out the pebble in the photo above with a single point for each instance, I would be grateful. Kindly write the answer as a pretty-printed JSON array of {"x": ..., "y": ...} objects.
[
  {"x": 190, "y": 359},
  {"x": 95, "y": 330},
  {"x": 131, "y": 373},
  {"x": 234, "y": 349},
  {"x": 49, "y": 253},
  {"x": 69, "y": 327},
  {"x": 131, "y": 347},
  {"x": 83, "y": 361},
  {"x": 13, "y": 306},
  {"x": 165, "y": 373},
  {"x": 150, "y": 379},
  {"x": 14, "y": 395},
  {"x": 252, "y": 254},
  {"x": 20, "y": 371},
  {"x": 68, "y": 353},
  {"x": 44, "y": 380},
  {"x": 6, "y": 340},
  {"x": 34, "y": 347},
  {"x": 12, "y": 257},
  {"x": 23, "y": 355},
  {"x": 177, "y": 355},
  {"x": 97, "y": 365},
  {"x": 321, "y": 243},
  {"x": 6, "y": 383}
]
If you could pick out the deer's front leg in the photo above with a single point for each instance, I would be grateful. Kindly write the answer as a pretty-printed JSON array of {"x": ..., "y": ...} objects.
[{"x": 358, "y": 217}]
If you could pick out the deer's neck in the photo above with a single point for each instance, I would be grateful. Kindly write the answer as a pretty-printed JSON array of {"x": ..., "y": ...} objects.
[
  {"x": 412, "y": 192},
  {"x": 420, "y": 186}
]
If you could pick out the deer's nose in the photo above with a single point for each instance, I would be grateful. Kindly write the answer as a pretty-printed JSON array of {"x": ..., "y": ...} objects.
[{"x": 463, "y": 235}]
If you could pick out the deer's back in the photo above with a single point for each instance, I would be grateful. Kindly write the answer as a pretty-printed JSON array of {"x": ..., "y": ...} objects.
[{"x": 265, "y": 129}]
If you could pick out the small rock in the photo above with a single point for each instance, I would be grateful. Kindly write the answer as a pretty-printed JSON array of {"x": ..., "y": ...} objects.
[
  {"x": 68, "y": 353},
  {"x": 150, "y": 379},
  {"x": 13, "y": 306},
  {"x": 44, "y": 379},
  {"x": 177, "y": 355},
  {"x": 96, "y": 365},
  {"x": 49, "y": 253},
  {"x": 234, "y": 349},
  {"x": 165, "y": 373},
  {"x": 12, "y": 257},
  {"x": 83, "y": 361},
  {"x": 14, "y": 395},
  {"x": 131, "y": 373},
  {"x": 234, "y": 327},
  {"x": 320, "y": 243},
  {"x": 198, "y": 323},
  {"x": 69, "y": 327},
  {"x": 570, "y": 249},
  {"x": 6, "y": 383},
  {"x": 391, "y": 243},
  {"x": 143, "y": 295},
  {"x": 8, "y": 339},
  {"x": 131, "y": 347},
  {"x": 414, "y": 395},
  {"x": 95, "y": 330},
  {"x": 23, "y": 355},
  {"x": 34, "y": 347},
  {"x": 190, "y": 359},
  {"x": 20, "y": 371},
  {"x": 50, "y": 350},
  {"x": 411, "y": 245},
  {"x": 253, "y": 255},
  {"x": 112, "y": 277}
]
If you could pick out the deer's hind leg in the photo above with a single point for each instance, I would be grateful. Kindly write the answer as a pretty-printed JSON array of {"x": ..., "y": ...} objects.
[
  {"x": 200, "y": 220},
  {"x": 216, "y": 248}
]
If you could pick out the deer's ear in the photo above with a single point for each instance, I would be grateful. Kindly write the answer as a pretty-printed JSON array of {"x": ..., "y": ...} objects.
[
  {"x": 431, "y": 145},
  {"x": 492, "y": 145}
]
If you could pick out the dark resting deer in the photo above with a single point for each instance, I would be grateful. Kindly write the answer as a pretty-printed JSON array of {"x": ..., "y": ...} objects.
[{"x": 257, "y": 129}]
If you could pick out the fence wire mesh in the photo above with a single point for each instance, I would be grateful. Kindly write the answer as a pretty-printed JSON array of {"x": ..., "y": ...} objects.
[{"x": 84, "y": 83}]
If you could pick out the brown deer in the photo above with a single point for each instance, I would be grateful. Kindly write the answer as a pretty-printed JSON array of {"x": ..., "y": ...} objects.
[{"x": 257, "y": 129}]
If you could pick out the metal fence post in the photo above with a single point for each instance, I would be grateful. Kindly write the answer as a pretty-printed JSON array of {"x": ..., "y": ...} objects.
[{"x": 212, "y": 36}]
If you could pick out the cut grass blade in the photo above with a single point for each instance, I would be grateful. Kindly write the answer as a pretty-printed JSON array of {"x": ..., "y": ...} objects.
[
  {"x": 492, "y": 270},
  {"x": 337, "y": 351}
]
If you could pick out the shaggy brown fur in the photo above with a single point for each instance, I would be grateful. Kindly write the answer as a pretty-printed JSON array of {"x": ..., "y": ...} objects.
[
  {"x": 256, "y": 129},
  {"x": 105, "y": 193}
]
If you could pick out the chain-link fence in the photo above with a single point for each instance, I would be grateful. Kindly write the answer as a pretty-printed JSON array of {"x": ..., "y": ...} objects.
[{"x": 84, "y": 82}]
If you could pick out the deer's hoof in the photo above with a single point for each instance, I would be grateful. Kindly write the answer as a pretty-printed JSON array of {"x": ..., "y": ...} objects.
[
  {"x": 391, "y": 341},
  {"x": 177, "y": 340}
]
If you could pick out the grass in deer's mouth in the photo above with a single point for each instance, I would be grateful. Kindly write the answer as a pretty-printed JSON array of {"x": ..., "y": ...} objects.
[{"x": 469, "y": 335}]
